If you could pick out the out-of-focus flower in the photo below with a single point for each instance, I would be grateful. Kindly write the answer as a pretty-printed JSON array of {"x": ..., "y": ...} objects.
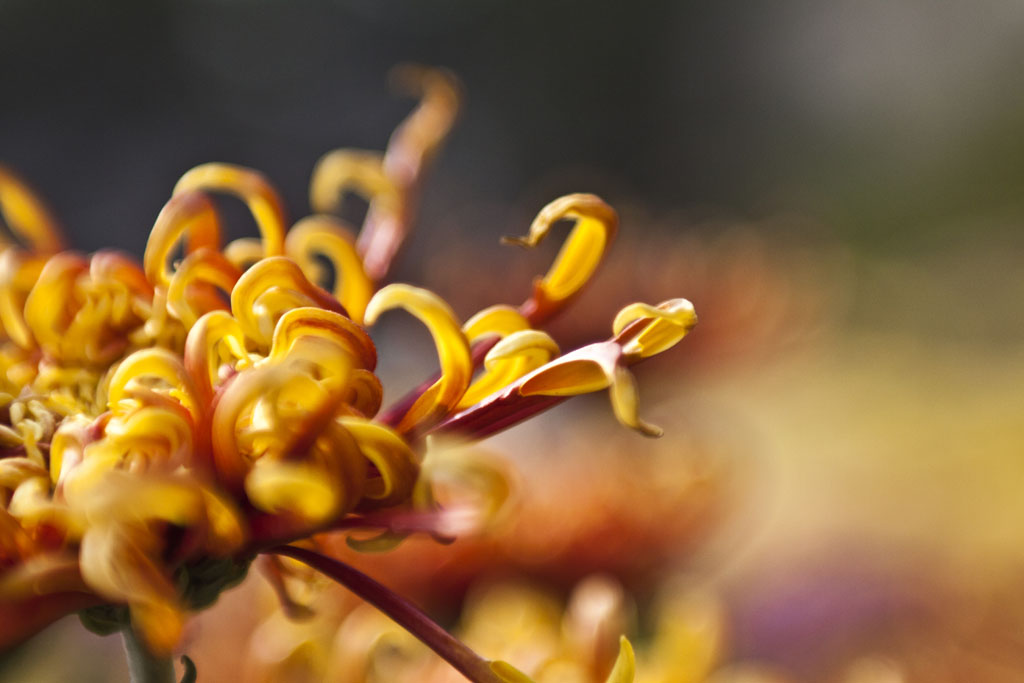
[
  {"x": 166, "y": 422},
  {"x": 575, "y": 643}
]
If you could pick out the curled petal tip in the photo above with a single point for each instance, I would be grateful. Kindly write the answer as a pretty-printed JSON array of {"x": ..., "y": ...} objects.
[
  {"x": 663, "y": 327},
  {"x": 595, "y": 226}
]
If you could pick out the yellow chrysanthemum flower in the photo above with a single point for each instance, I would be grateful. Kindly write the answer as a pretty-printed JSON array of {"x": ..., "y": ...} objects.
[{"x": 165, "y": 422}]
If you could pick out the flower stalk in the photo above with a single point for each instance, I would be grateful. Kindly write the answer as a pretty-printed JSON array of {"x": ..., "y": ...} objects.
[
  {"x": 143, "y": 665},
  {"x": 404, "y": 613}
]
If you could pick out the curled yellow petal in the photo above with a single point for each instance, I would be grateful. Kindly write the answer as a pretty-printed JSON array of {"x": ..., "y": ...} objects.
[
  {"x": 251, "y": 187},
  {"x": 327, "y": 236},
  {"x": 351, "y": 339},
  {"x": 596, "y": 225},
  {"x": 148, "y": 365},
  {"x": 244, "y": 252},
  {"x": 351, "y": 170},
  {"x": 214, "y": 341},
  {"x": 396, "y": 463},
  {"x": 500, "y": 320},
  {"x": 26, "y": 216},
  {"x": 514, "y": 356},
  {"x": 452, "y": 350},
  {"x": 667, "y": 323},
  {"x": 189, "y": 213},
  {"x": 196, "y": 286},
  {"x": 268, "y": 290},
  {"x": 364, "y": 393}
]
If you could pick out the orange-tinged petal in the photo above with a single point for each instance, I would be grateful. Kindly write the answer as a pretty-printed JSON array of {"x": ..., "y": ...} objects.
[
  {"x": 188, "y": 213},
  {"x": 328, "y": 325},
  {"x": 416, "y": 140},
  {"x": 19, "y": 271},
  {"x": 216, "y": 338},
  {"x": 119, "y": 562},
  {"x": 268, "y": 290},
  {"x": 46, "y": 308},
  {"x": 153, "y": 364},
  {"x": 251, "y": 187},
  {"x": 193, "y": 290}
]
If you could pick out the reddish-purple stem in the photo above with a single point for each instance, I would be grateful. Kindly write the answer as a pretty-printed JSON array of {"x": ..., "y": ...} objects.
[{"x": 404, "y": 613}]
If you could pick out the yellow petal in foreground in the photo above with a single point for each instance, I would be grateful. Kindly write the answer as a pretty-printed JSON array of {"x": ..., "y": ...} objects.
[
  {"x": 252, "y": 188},
  {"x": 452, "y": 349},
  {"x": 120, "y": 562},
  {"x": 581, "y": 254}
]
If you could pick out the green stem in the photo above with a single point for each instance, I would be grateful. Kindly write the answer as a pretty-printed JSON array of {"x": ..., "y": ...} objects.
[
  {"x": 142, "y": 665},
  {"x": 404, "y": 613}
]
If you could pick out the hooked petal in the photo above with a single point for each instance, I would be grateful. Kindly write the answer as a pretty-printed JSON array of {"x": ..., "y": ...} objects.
[
  {"x": 344, "y": 170},
  {"x": 327, "y": 325},
  {"x": 268, "y": 290},
  {"x": 215, "y": 337},
  {"x": 667, "y": 323},
  {"x": 516, "y": 355},
  {"x": 251, "y": 187},
  {"x": 500, "y": 320},
  {"x": 193, "y": 287},
  {"x": 327, "y": 236},
  {"x": 581, "y": 254},
  {"x": 189, "y": 212},
  {"x": 452, "y": 349},
  {"x": 149, "y": 364}
]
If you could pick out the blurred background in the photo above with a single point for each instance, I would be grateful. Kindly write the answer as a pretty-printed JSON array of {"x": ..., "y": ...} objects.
[{"x": 839, "y": 189}]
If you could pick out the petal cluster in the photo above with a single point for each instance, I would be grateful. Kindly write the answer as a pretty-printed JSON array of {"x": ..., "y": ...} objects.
[{"x": 217, "y": 399}]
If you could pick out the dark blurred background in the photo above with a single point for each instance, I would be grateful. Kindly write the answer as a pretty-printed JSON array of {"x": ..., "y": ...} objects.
[{"x": 890, "y": 122}]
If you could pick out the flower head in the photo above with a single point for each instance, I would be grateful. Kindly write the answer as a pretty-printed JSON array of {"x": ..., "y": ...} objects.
[{"x": 166, "y": 421}]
